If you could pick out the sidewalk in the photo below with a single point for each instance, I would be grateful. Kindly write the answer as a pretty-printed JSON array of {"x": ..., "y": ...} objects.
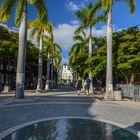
[{"x": 128, "y": 104}]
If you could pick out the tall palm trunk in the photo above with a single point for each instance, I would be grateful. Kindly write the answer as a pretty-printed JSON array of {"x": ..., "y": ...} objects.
[
  {"x": 90, "y": 54},
  {"x": 8, "y": 69},
  {"x": 52, "y": 82},
  {"x": 40, "y": 66},
  {"x": 8, "y": 73},
  {"x": 109, "y": 81},
  {"x": 20, "y": 76},
  {"x": 48, "y": 73}
]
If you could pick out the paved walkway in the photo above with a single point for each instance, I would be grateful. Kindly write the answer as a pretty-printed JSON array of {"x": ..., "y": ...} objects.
[{"x": 64, "y": 102}]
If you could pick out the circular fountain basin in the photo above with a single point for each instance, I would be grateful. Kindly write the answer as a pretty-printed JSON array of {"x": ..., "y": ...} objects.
[{"x": 71, "y": 129}]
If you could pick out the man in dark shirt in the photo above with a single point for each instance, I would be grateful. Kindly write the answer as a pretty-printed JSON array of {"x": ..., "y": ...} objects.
[{"x": 88, "y": 81}]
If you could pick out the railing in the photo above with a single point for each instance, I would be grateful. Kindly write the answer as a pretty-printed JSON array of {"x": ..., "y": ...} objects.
[{"x": 129, "y": 91}]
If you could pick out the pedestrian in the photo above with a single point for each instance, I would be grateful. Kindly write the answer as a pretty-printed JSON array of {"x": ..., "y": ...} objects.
[
  {"x": 88, "y": 81},
  {"x": 79, "y": 85},
  {"x": 84, "y": 84}
]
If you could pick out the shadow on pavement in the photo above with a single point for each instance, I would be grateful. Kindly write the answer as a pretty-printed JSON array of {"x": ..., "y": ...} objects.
[{"x": 136, "y": 127}]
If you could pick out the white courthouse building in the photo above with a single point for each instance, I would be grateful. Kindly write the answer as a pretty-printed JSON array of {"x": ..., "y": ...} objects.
[{"x": 66, "y": 75}]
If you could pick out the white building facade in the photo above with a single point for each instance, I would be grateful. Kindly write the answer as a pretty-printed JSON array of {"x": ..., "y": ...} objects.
[{"x": 66, "y": 74}]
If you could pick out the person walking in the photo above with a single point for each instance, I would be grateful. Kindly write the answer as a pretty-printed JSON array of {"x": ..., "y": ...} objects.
[
  {"x": 88, "y": 81},
  {"x": 84, "y": 84},
  {"x": 79, "y": 85}
]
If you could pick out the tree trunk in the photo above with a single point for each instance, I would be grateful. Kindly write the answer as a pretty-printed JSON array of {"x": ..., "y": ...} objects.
[
  {"x": 8, "y": 69},
  {"x": 126, "y": 77},
  {"x": 4, "y": 71},
  {"x": 7, "y": 84},
  {"x": 109, "y": 81},
  {"x": 48, "y": 73},
  {"x": 20, "y": 76},
  {"x": 52, "y": 74},
  {"x": 40, "y": 66},
  {"x": 90, "y": 54},
  {"x": 115, "y": 77},
  {"x": 132, "y": 78},
  {"x": 1, "y": 86}
]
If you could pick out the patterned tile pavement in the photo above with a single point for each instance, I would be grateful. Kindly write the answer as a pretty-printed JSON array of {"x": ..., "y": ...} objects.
[{"x": 66, "y": 103}]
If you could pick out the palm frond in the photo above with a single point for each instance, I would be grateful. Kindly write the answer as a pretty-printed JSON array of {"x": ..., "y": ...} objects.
[
  {"x": 48, "y": 26},
  {"x": 58, "y": 47},
  {"x": 102, "y": 18},
  {"x": 32, "y": 33},
  {"x": 41, "y": 10},
  {"x": 41, "y": 27},
  {"x": 33, "y": 23},
  {"x": 131, "y": 4},
  {"x": 79, "y": 29},
  {"x": 107, "y": 4},
  {"x": 97, "y": 6},
  {"x": 90, "y": 12},
  {"x": 81, "y": 14},
  {"x": 46, "y": 37},
  {"x": 5, "y": 9},
  {"x": 78, "y": 37},
  {"x": 48, "y": 42},
  {"x": 19, "y": 12},
  {"x": 31, "y": 1},
  {"x": 84, "y": 34}
]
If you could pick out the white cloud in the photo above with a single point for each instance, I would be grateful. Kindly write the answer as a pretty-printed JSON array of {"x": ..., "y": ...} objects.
[
  {"x": 13, "y": 28},
  {"x": 2, "y": 24},
  {"x": 16, "y": 29},
  {"x": 117, "y": 29},
  {"x": 73, "y": 7},
  {"x": 120, "y": 29},
  {"x": 74, "y": 22},
  {"x": 100, "y": 32},
  {"x": 63, "y": 34}
]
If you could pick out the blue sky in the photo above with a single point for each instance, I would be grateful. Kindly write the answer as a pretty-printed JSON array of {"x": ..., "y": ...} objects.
[{"x": 61, "y": 14}]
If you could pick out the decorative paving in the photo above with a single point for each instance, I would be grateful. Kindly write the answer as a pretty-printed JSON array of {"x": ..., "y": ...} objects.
[{"x": 18, "y": 112}]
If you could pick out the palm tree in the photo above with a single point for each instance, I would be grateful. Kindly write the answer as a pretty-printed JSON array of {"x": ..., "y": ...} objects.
[
  {"x": 80, "y": 48},
  {"x": 48, "y": 49},
  {"x": 56, "y": 60},
  {"x": 107, "y": 5},
  {"x": 89, "y": 18},
  {"x": 52, "y": 50},
  {"x": 48, "y": 73},
  {"x": 21, "y": 20},
  {"x": 38, "y": 28}
]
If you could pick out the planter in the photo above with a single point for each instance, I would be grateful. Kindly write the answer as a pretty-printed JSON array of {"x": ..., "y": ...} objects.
[
  {"x": 118, "y": 95},
  {"x": 6, "y": 89}
]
